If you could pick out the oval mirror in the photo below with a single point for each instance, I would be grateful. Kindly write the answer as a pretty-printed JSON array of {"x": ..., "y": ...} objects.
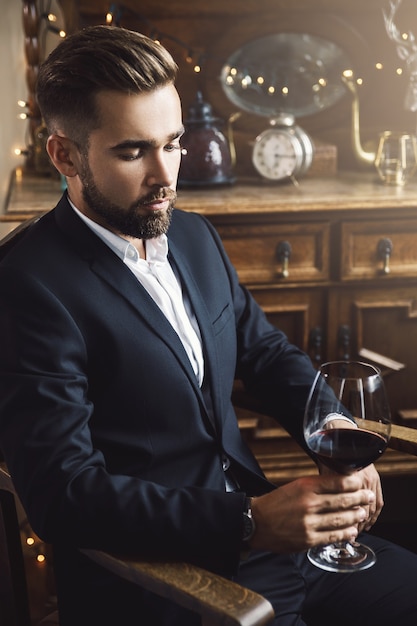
[{"x": 293, "y": 73}]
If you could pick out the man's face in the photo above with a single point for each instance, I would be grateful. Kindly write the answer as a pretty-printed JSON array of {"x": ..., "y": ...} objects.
[{"x": 127, "y": 178}]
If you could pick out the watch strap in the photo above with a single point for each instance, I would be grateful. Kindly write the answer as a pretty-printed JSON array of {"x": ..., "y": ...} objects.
[{"x": 248, "y": 528}]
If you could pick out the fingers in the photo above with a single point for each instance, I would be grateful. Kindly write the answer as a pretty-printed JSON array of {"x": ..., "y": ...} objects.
[
  {"x": 339, "y": 511},
  {"x": 345, "y": 501},
  {"x": 347, "y": 520},
  {"x": 374, "y": 509},
  {"x": 340, "y": 493},
  {"x": 311, "y": 511},
  {"x": 371, "y": 480},
  {"x": 335, "y": 526},
  {"x": 336, "y": 483}
]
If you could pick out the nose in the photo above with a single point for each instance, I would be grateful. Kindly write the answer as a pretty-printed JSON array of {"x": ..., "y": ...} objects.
[{"x": 162, "y": 170}]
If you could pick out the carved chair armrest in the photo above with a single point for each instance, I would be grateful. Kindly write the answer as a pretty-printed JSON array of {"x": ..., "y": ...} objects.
[
  {"x": 403, "y": 438},
  {"x": 219, "y": 601}
]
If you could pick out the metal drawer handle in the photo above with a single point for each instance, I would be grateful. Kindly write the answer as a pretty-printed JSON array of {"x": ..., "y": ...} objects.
[
  {"x": 315, "y": 345},
  {"x": 384, "y": 252},
  {"x": 283, "y": 256},
  {"x": 343, "y": 341}
]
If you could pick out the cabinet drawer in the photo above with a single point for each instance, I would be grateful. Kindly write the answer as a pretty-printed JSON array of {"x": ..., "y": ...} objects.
[
  {"x": 271, "y": 253},
  {"x": 300, "y": 312},
  {"x": 379, "y": 249}
]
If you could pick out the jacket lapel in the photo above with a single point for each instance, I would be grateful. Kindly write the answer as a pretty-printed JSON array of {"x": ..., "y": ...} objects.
[
  {"x": 181, "y": 263},
  {"x": 105, "y": 264}
]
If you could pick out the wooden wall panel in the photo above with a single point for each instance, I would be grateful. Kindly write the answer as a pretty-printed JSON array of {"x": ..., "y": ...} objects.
[{"x": 216, "y": 28}]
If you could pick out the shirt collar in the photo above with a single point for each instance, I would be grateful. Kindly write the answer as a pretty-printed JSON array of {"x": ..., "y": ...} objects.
[{"x": 156, "y": 248}]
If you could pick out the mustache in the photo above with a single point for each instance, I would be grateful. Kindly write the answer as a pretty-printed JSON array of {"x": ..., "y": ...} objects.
[{"x": 163, "y": 194}]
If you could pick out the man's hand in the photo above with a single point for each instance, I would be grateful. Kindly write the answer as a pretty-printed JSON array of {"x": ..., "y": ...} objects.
[
  {"x": 371, "y": 480},
  {"x": 369, "y": 476},
  {"x": 313, "y": 511}
]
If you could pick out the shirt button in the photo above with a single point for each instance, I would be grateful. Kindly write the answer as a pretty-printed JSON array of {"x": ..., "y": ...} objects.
[{"x": 225, "y": 462}]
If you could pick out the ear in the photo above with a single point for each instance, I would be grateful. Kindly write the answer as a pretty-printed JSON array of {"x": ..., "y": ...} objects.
[{"x": 63, "y": 154}]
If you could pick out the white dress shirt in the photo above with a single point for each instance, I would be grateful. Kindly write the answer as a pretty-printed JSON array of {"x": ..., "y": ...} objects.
[{"x": 157, "y": 276}]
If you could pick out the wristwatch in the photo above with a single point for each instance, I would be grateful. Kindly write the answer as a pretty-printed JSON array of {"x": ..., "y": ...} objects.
[{"x": 249, "y": 527}]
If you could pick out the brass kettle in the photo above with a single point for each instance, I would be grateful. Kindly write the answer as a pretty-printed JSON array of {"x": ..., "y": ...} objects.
[
  {"x": 363, "y": 156},
  {"x": 395, "y": 154}
]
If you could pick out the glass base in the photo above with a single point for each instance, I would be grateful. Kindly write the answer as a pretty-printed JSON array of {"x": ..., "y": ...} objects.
[{"x": 342, "y": 557}]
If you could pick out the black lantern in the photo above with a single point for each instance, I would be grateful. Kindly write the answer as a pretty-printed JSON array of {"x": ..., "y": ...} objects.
[{"x": 207, "y": 158}]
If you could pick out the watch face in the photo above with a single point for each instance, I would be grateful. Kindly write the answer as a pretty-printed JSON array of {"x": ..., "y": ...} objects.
[{"x": 277, "y": 154}]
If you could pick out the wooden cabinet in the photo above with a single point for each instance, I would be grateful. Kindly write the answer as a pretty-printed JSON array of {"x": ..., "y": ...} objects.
[
  {"x": 274, "y": 258},
  {"x": 376, "y": 248},
  {"x": 300, "y": 313},
  {"x": 278, "y": 253},
  {"x": 333, "y": 263}
]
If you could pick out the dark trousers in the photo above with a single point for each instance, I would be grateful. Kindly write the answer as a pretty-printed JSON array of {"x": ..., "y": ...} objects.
[{"x": 303, "y": 595}]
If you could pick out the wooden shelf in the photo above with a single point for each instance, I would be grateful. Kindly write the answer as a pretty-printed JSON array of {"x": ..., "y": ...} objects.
[
  {"x": 29, "y": 194},
  {"x": 346, "y": 191}
]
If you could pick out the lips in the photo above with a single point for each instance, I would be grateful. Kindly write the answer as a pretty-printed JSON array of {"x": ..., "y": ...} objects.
[
  {"x": 160, "y": 201},
  {"x": 156, "y": 205}
]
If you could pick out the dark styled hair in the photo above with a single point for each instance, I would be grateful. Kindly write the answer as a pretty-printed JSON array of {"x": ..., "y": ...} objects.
[{"x": 91, "y": 60}]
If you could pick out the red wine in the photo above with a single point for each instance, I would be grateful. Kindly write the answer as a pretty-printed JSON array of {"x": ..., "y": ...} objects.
[{"x": 346, "y": 449}]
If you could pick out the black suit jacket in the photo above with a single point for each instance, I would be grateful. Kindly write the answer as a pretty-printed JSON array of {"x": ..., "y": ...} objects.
[{"x": 102, "y": 423}]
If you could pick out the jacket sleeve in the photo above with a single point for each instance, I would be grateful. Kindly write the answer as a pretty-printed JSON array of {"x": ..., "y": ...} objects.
[{"x": 67, "y": 485}]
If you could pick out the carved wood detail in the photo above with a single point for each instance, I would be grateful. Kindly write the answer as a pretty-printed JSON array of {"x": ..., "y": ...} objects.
[{"x": 31, "y": 21}]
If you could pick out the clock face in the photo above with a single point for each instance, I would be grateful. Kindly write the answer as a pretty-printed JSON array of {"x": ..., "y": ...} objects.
[
  {"x": 282, "y": 152},
  {"x": 277, "y": 154}
]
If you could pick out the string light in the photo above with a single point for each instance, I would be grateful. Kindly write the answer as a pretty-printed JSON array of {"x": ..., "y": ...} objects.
[
  {"x": 349, "y": 74},
  {"x": 58, "y": 31},
  {"x": 197, "y": 59},
  {"x": 193, "y": 57},
  {"x": 49, "y": 20},
  {"x": 34, "y": 544}
]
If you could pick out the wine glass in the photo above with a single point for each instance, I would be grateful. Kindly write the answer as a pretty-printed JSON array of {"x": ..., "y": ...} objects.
[{"x": 347, "y": 425}]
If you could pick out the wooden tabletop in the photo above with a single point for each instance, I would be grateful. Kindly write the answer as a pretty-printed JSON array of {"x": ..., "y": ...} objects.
[{"x": 30, "y": 194}]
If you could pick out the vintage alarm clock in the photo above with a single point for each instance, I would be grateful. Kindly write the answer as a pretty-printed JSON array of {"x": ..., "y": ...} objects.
[{"x": 284, "y": 151}]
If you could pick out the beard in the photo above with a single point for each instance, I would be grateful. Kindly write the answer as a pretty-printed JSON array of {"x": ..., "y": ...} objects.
[{"x": 128, "y": 221}]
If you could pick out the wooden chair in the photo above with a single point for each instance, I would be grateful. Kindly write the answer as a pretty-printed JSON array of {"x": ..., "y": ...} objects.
[{"x": 219, "y": 601}]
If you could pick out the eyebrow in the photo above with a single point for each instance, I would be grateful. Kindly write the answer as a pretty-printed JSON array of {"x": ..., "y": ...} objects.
[{"x": 145, "y": 143}]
